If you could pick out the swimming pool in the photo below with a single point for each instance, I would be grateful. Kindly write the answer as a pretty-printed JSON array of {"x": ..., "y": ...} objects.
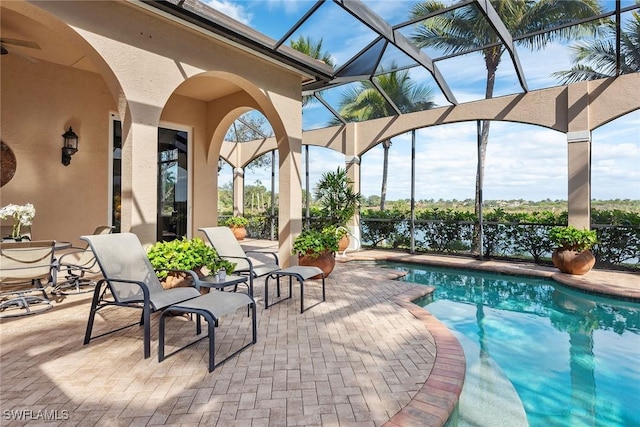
[{"x": 537, "y": 352}]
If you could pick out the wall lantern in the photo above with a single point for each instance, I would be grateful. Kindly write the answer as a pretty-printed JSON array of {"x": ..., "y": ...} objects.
[{"x": 70, "y": 146}]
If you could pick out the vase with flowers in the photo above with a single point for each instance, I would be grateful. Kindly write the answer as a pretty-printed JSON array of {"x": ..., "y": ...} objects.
[{"x": 22, "y": 216}]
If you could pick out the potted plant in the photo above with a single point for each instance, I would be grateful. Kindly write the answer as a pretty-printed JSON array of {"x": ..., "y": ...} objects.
[
  {"x": 22, "y": 216},
  {"x": 572, "y": 253},
  {"x": 317, "y": 248},
  {"x": 338, "y": 202},
  {"x": 185, "y": 254},
  {"x": 237, "y": 224}
]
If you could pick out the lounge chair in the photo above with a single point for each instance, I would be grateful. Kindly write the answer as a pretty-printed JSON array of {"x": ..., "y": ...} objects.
[
  {"x": 132, "y": 282},
  {"x": 80, "y": 267},
  {"x": 25, "y": 267},
  {"x": 227, "y": 246}
]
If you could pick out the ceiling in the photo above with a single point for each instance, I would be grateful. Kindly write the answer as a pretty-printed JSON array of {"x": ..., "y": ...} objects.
[{"x": 33, "y": 42}]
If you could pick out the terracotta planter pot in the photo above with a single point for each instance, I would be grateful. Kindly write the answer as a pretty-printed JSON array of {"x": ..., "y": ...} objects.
[
  {"x": 239, "y": 232},
  {"x": 343, "y": 243},
  {"x": 182, "y": 280},
  {"x": 325, "y": 262},
  {"x": 573, "y": 262}
]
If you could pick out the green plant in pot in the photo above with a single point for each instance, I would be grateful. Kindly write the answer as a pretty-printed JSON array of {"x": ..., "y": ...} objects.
[
  {"x": 237, "y": 225},
  {"x": 572, "y": 253},
  {"x": 339, "y": 202},
  {"x": 317, "y": 248},
  {"x": 185, "y": 254}
]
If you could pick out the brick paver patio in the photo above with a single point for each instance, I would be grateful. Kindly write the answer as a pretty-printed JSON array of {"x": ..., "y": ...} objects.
[
  {"x": 356, "y": 360},
  {"x": 365, "y": 357}
]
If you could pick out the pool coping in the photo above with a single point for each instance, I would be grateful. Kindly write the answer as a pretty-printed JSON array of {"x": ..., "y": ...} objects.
[
  {"x": 434, "y": 403},
  {"x": 621, "y": 285}
]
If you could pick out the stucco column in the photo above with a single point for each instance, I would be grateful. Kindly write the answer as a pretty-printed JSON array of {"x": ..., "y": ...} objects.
[
  {"x": 579, "y": 165},
  {"x": 139, "y": 181},
  {"x": 238, "y": 191},
  {"x": 290, "y": 199},
  {"x": 352, "y": 165},
  {"x": 579, "y": 155}
]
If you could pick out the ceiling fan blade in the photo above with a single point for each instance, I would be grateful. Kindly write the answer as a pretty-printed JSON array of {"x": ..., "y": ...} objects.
[
  {"x": 18, "y": 54},
  {"x": 18, "y": 42}
]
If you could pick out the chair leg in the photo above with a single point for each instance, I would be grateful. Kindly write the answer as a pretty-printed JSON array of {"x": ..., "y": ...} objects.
[
  {"x": 73, "y": 285},
  {"x": 266, "y": 293},
  {"x": 92, "y": 312},
  {"x": 146, "y": 314},
  {"x": 254, "y": 324},
  {"x": 211, "y": 324},
  {"x": 278, "y": 286},
  {"x": 161, "y": 337},
  {"x": 301, "y": 281},
  {"x": 38, "y": 285}
]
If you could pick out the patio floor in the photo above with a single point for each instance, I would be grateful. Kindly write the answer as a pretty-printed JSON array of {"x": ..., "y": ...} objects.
[{"x": 365, "y": 357}]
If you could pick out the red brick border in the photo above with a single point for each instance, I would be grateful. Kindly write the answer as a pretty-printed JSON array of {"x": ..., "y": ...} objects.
[{"x": 436, "y": 400}]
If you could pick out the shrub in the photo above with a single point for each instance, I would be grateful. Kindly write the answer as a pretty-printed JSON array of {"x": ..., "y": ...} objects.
[
  {"x": 570, "y": 238},
  {"x": 236, "y": 222},
  {"x": 314, "y": 243},
  {"x": 186, "y": 254}
]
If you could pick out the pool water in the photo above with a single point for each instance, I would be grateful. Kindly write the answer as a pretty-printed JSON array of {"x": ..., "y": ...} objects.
[{"x": 572, "y": 358}]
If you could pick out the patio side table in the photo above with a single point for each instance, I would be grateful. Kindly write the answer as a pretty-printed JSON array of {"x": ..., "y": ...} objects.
[{"x": 215, "y": 283}]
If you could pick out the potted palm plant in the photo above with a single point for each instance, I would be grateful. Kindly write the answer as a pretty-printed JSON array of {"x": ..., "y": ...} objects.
[
  {"x": 185, "y": 254},
  {"x": 572, "y": 253},
  {"x": 338, "y": 202},
  {"x": 237, "y": 224},
  {"x": 317, "y": 248}
]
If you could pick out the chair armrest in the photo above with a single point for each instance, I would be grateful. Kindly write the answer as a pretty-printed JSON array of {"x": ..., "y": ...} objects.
[
  {"x": 273, "y": 254},
  {"x": 143, "y": 286},
  {"x": 247, "y": 259},
  {"x": 62, "y": 259}
]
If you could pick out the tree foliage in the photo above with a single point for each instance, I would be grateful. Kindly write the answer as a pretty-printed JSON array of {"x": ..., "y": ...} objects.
[{"x": 597, "y": 58}]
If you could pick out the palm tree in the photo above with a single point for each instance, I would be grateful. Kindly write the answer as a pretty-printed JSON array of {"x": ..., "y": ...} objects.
[
  {"x": 466, "y": 29},
  {"x": 365, "y": 102},
  {"x": 597, "y": 59},
  {"x": 314, "y": 50}
]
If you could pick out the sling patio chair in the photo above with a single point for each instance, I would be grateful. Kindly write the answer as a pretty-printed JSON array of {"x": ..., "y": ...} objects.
[
  {"x": 129, "y": 280},
  {"x": 227, "y": 246},
  {"x": 80, "y": 268},
  {"x": 25, "y": 268}
]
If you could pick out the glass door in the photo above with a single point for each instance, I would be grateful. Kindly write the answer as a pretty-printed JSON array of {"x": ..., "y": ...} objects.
[
  {"x": 116, "y": 173},
  {"x": 172, "y": 184}
]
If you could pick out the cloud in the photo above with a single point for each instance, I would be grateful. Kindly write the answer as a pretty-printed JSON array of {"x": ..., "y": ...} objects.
[{"x": 231, "y": 9}]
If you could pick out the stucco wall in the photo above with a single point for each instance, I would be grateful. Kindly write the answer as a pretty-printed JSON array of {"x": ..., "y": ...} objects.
[
  {"x": 140, "y": 59},
  {"x": 39, "y": 102}
]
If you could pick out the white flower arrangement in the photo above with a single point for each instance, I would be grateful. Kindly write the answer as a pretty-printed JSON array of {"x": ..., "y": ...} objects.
[{"x": 22, "y": 215}]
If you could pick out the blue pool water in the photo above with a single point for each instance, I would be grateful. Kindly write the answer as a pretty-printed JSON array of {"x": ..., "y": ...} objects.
[{"x": 572, "y": 358}]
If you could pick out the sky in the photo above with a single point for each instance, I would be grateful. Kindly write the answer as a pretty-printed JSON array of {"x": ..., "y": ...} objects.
[{"x": 523, "y": 161}]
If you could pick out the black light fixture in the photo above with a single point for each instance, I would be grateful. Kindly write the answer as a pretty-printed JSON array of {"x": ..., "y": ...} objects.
[{"x": 70, "y": 146}]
